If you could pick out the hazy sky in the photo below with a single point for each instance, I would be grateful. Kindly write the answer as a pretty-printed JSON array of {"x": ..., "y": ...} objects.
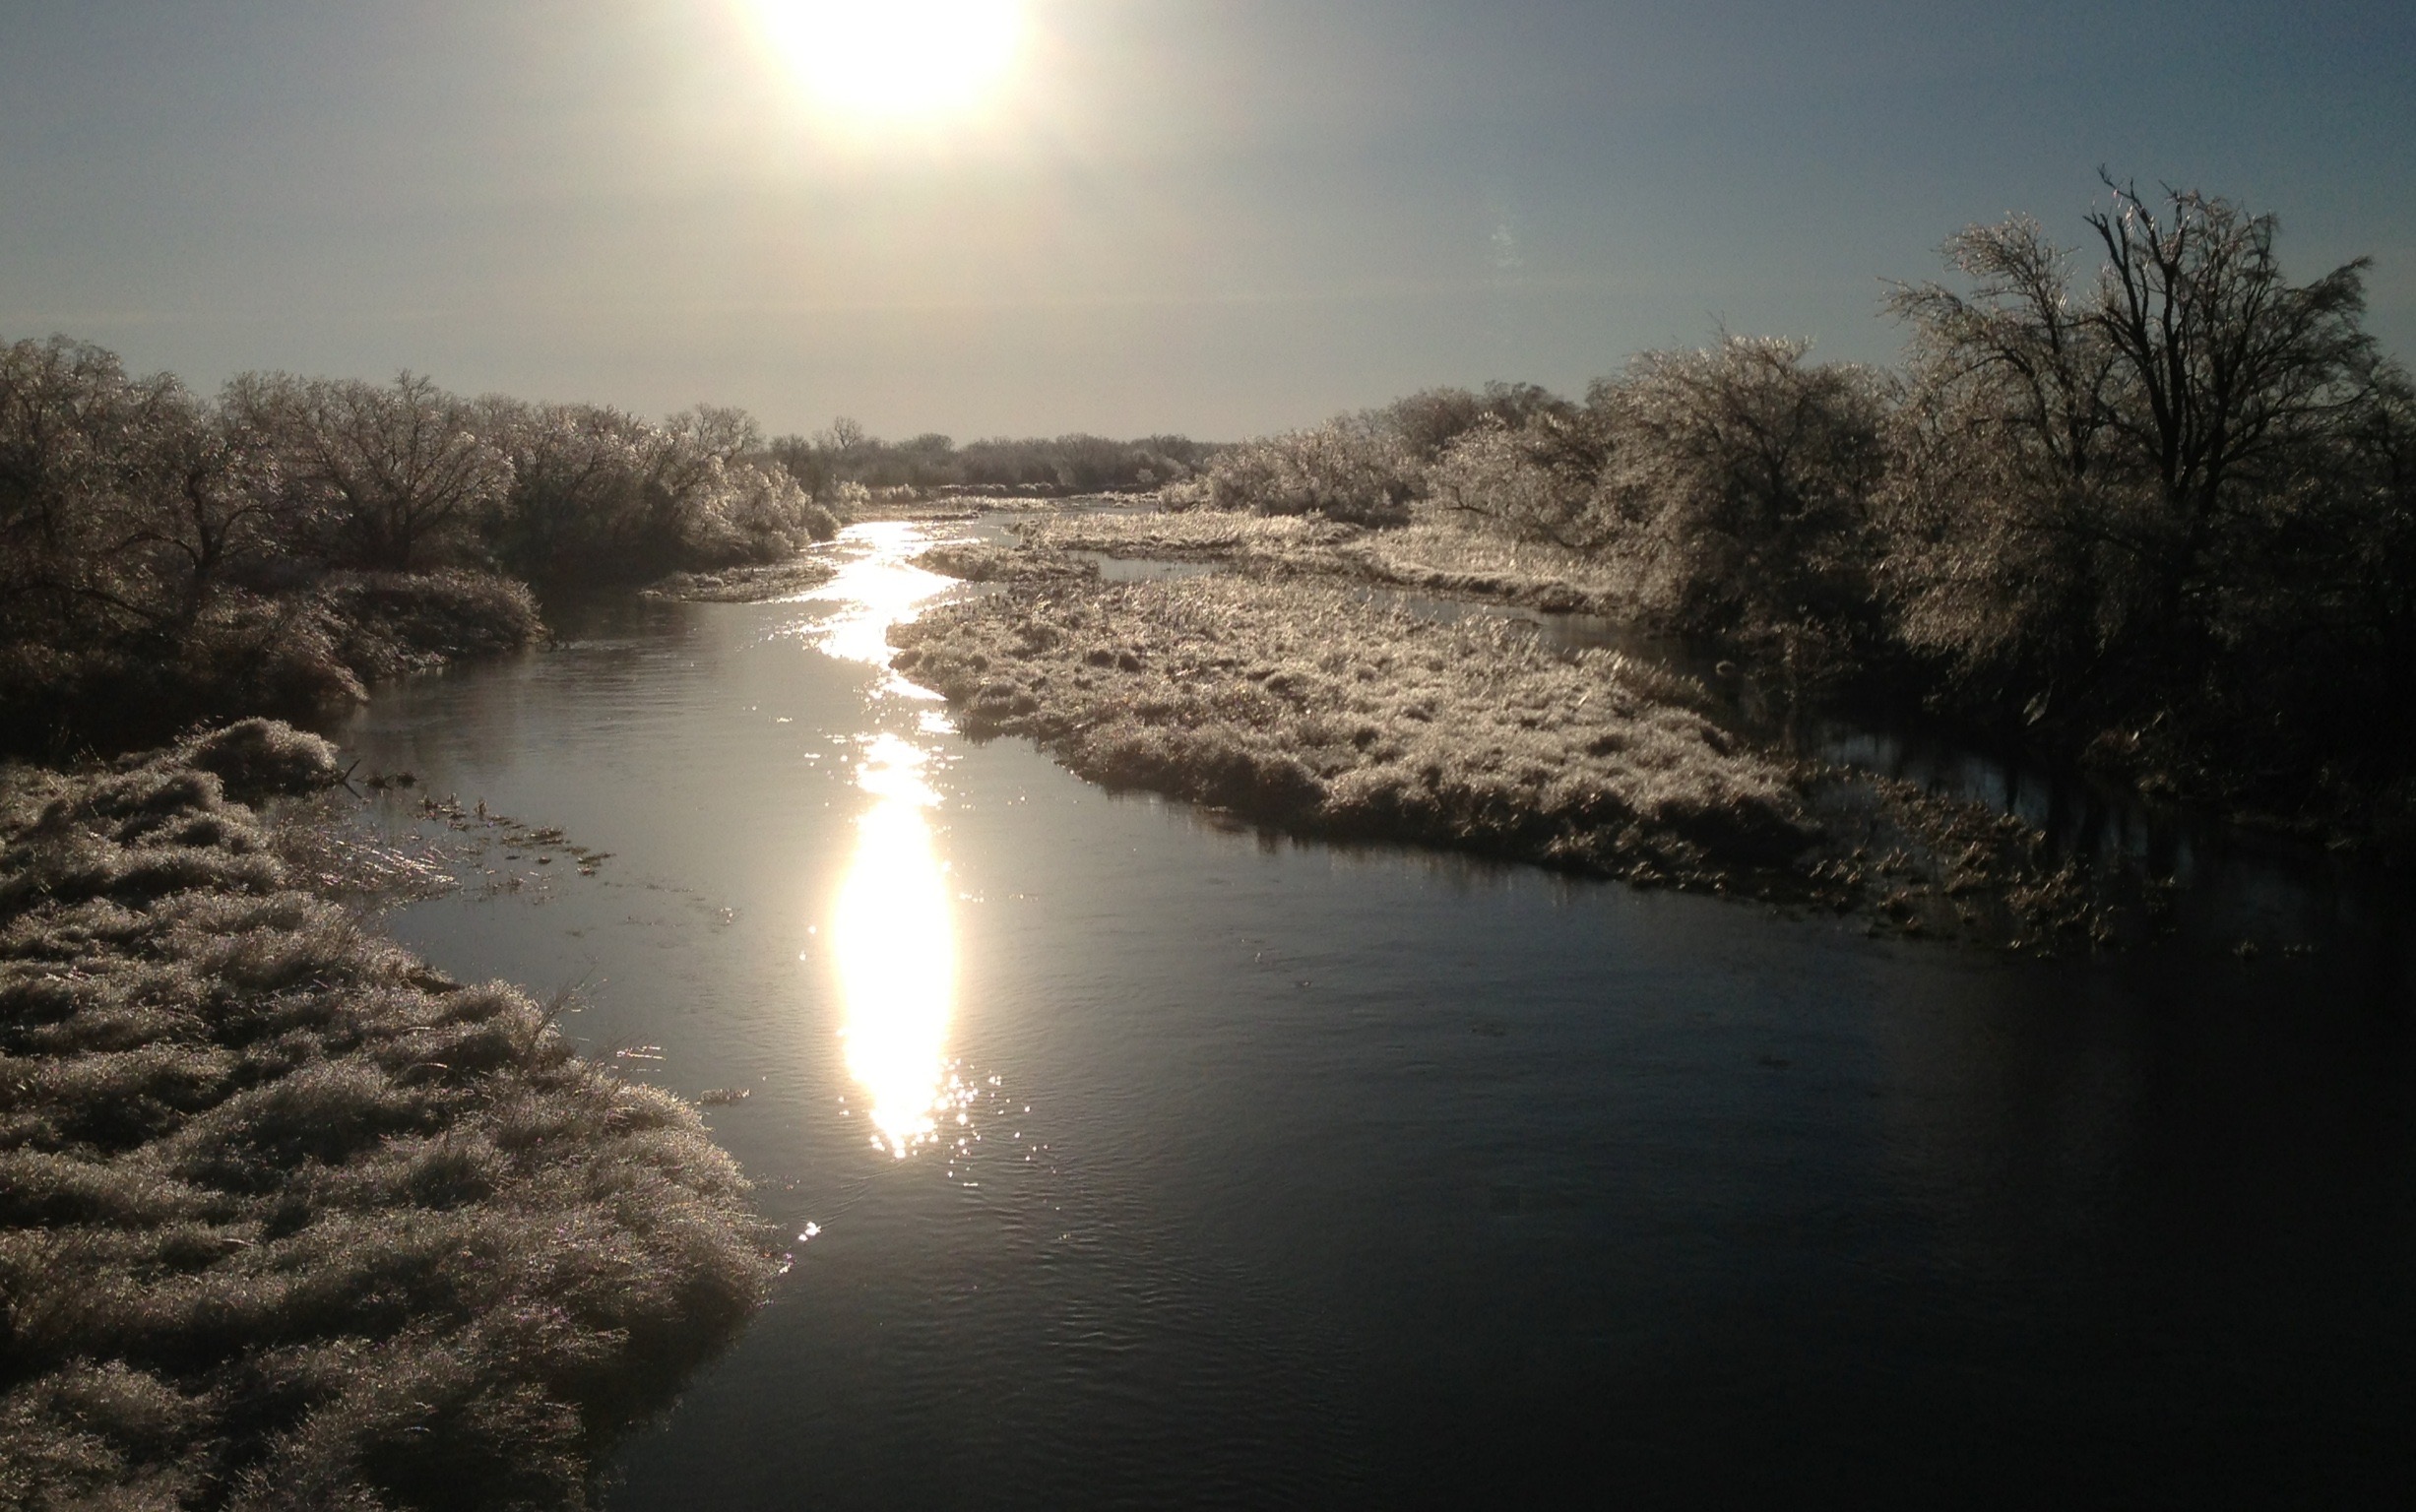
[{"x": 1215, "y": 217}]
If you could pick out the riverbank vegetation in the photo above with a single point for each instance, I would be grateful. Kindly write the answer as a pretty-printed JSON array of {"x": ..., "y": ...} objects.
[
  {"x": 1432, "y": 554},
  {"x": 846, "y": 457},
  {"x": 166, "y": 558},
  {"x": 1305, "y": 705},
  {"x": 288, "y": 1220},
  {"x": 743, "y": 585},
  {"x": 2149, "y": 506}
]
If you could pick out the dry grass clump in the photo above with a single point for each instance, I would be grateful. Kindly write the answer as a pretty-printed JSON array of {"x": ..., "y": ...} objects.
[
  {"x": 257, "y": 758},
  {"x": 982, "y": 561},
  {"x": 287, "y": 1220},
  {"x": 743, "y": 585},
  {"x": 1300, "y": 704},
  {"x": 1436, "y": 552}
]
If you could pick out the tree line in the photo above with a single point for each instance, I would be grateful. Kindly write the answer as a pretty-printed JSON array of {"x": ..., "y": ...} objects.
[
  {"x": 166, "y": 557},
  {"x": 2144, "y": 500},
  {"x": 845, "y": 453}
]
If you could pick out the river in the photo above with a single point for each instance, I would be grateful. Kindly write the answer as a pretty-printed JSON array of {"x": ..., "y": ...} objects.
[{"x": 1130, "y": 1159}]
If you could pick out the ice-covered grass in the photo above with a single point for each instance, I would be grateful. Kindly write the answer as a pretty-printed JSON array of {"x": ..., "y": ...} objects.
[
  {"x": 288, "y": 1220},
  {"x": 1192, "y": 535},
  {"x": 982, "y": 561},
  {"x": 1301, "y": 704},
  {"x": 743, "y": 585},
  {"x": 1296, "y": 702},
  {"x": 391, "y": 623},
  {"x": 1436, "y": 553}
]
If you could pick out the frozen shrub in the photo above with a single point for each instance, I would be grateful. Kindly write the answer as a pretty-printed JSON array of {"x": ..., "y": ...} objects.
[
  {"x": 1741, "y": 478},
  {"x": 1345, "y": 469},
  {"x": 1429, "y": 421},
  {"x": 389, "y": 624},
  {"x": 600, "y": 495},
  {"x": 1541, "y": 481},
  {"x": 743, "y": 512}
]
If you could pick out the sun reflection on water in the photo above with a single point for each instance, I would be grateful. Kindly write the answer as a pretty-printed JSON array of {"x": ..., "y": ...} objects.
[
  {"x": 877, "y": 589},
  {"x": 895, "y": 943}
]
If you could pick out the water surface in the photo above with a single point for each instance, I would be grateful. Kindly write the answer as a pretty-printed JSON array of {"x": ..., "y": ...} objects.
[{"x": 1129, "y": 1159}]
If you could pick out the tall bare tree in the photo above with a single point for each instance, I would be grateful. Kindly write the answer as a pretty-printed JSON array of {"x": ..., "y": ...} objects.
[
  {"x": 2232, "y": 379},
  {"x": 2095, "y": 482},
  {"x": 390, "y": 472},
  {"x": 79, "y": 512}
]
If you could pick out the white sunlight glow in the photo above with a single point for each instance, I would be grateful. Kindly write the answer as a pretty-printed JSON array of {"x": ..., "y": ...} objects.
[
  {"x": 878, "y": 585},
  {"x": 895, "y": 62},
  {"x": 895, "y": 942}
]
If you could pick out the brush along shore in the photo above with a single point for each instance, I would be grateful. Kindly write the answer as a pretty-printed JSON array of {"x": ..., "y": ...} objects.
[
  {"x": 743, "y": 585},
  {"x": 1300, "y": 704},
  {"x": 298, "y": 653},
  {"x": 288, "y": 1220}
]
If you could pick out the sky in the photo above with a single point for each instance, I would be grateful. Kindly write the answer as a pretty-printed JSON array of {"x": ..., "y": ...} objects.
[{"x": 1217, "y": 217}]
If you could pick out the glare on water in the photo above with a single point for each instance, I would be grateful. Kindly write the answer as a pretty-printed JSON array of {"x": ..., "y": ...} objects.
[
  {"x": 895, "y": 946},
  {"x": 877, "y": 589}
]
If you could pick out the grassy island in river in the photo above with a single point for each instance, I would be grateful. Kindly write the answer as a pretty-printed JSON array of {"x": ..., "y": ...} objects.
[{"x": 1298, "y": 702}]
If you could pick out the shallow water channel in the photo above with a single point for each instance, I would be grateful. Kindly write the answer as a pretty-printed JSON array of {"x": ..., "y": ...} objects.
[{"x": 1131, "y": 1159}]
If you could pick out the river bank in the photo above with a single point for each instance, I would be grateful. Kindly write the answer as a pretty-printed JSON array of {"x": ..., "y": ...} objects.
[
  {"x": 2166, "y": 759},
  {"x": 741, "y": 585},
  {"x": 1298, "y": 703},
  {"x": 286, "y": 1218},
  {"x": 291, "y": 654}
]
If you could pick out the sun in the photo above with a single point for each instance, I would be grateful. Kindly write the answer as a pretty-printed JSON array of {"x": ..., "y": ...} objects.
[{"x": 895, "y": 62}]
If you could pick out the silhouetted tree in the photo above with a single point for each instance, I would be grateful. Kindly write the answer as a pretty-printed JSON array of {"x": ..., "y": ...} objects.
[
  {"x": 392, "y": 474},
  {"x": 68, "y": 476},
  {"x": 2107, "y": 484},
  {"x": 575, "y": 502},
  {"x": 213, "y": 505},
  {"x": 2011, "y": 523},
  {"x": 2233, "y": 382}
]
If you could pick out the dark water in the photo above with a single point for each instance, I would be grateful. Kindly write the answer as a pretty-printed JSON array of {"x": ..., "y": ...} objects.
[{"x": 1150, "y": 1164}]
